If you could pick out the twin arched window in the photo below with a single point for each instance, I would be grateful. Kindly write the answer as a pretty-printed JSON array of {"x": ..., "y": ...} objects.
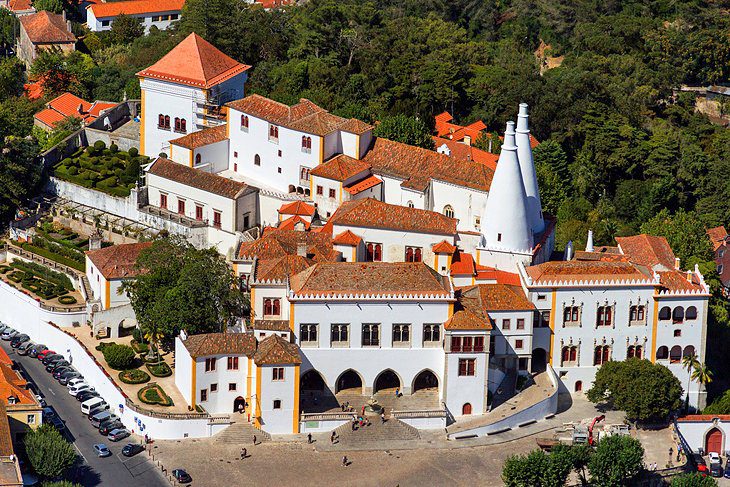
[
  {"x": 180, "y": 124},
  {"x": 449, "y": 211},
  {"x": 636, "y": 351},
  {"x": 163, "y": 121},
  {"x": 306, "y": 144},
  {"x": 272, "y": 307},
  {"x": 569, "y": 355},
  {"x": 244, "y": 123},
  {"x": 273, "y": 132},
  {"x": 601, "y": 354}
]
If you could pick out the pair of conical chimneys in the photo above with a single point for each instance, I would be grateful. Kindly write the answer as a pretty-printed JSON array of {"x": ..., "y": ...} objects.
[{"x": 513, "y": 212}]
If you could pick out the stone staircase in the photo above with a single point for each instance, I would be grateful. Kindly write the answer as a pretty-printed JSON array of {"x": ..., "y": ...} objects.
[
  {"x": 391, "y": 430},
  {"x": 241, "y": 433}
]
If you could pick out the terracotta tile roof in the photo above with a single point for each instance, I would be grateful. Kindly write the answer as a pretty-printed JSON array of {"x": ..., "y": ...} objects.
[
  {"x": 135, "y": 7},
  {"x": 463, "y": 264},
  {"x": 340, "y": 168},
  {"x": 20, "y": 5},
  {"x": 269, "y": 4},
  {"x": 571, "y": 271},
  {"x": 465, "y": 152},
  {"x": 370, "y": 279},
  {"x": 443, "y": 117},
  {"x": 678, "y": 281},
  {"x": 117, "y": 261},
  {"x": 100, "y": 106},
  {"x": 271, "y": 325},
  {"x": 304, "y": 116},
  {"x": 371, "y": 213},
  {"x": 46, "y": 28},
  {"x": 194, "y": 62},
  {"x": 469, "y": 313},
  {"x": 6, "y": 442},
  {"x": 599, "y": 254},
  {"x": 274, "y": 350},
  {"x": 647, "y": 250},
  {"x": 13, "y": 384},
  {"x": 297, "y": 208},
  {"x": 362, "y": 185},
  {"x": 703, "y": 417},
  {"x": 417, "y": 166},
  {"x": 49, "y": 117},
  {"x": 502, "y": 297},
  {"x": 356, "y": 126},
  {"x": 208, "y": 344},
  {"x": 70, "y": 105},
  {"x": 195, "y": 178},
  {"x": 500, "y": 277},
  {"x": 717, "y": 235},
  {"x": 201, "y": 138},
  {"x": 347, "y": 238},
  {"x": 444, "y": 247},
  {"x": 279, "y": 243},
  {"x": 295, "y": 222},
  {"x": 278, "y": 270}
]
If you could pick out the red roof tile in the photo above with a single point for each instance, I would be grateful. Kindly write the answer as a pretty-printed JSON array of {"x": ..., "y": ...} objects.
[
  {"x": 372, "y": 213},
  {"x": 46, "y": 28},
  {"x": 340, "y": 168},
  {"x": 278, "y": 270},
  {"x": 444, "y": 247},
  {"x": 195, "y": 178},
  {"x": 207, "y": 344},
  {"x": 194, "y": 62},
  {"x": 293, "y": 222},
  {"x": 463, "y": 265},
  {"x": 718, "y": 236},
  {"x": 502, "y": 297},
  {"x": 703, "y": 417},
  {"x": 501, "y": 277},
  {"x": 647, "y": 250},
  {"x": 297, "y": 208},
  {"x": 278, "y": 243},
  {"x": 362, "y": 185},
  {"x": 201, "y": 138},
  {"x": 469, "y": 311},
  {"x": 347, "y": 238},
  {"x": 468, "y": 153},
  {"x": 20, "y": 5},
  {"x": 572, "y": 271},
  {"x": 274, "y": 350},
  {"x": 49, "y": 117},
  {"x": 135, "y": 7},
  {"x": 117, "y": 261}
]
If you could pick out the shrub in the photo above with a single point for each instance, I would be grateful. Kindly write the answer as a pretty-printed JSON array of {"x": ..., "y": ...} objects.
[
  {"x": 90, "y": 150},
  {"x": 4, "y": 269},
  {"x": 137, "y": 335},
  {"x": 101, "y": 346},
  {"x": 153, "y": 394},
  {"x": 99, "y": 145},
  {"x": 133, "y": 152},
  {"x": 114, "y": 148},
  {"x": 73, "y": 170},
  {"x": 140, "y": 348},
  {"x": 119, "y": 357},
  {"x": 134, "y": 376},
  {"x": 160, "y": 369},
  {"x": 67, "y": 300},
  {"x": 67, "y": 162}
]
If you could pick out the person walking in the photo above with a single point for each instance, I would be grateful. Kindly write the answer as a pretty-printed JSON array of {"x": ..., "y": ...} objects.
[
  {"x": 309, "y": 438},
  {"x": 397, "y": 392},
  {"x": 344, "y": 461},
  {"x": 382, "y": 418},
  {"x": 332, "y": 437},
  {"x": 254, "y": 439}
]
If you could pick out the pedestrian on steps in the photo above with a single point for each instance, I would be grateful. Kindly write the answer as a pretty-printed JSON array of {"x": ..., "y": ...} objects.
[
  {"x": 382, "y": 417},
  {"x": 344, "y": 461},
  {"x": 332, "y": 437},
  {"x": 309, "y": 438}
]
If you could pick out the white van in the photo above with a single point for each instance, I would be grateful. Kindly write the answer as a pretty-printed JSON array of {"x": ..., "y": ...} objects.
[
  {"x": 90, "y": 404},
  {"x": 98, "y": 418}
]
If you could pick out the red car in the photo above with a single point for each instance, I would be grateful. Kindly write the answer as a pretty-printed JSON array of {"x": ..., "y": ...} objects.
[{"x": 43, "y": 354}]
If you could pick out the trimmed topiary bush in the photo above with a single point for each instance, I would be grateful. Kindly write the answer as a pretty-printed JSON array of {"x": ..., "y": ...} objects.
[
  {"x": 134, "y": 376},
  {"x": 133, "y": 152},
  {"x": 114, "y": 148},
  {"x": 67, "y": 300},
  {"x": 153, "y": 394},
  {"x": 160, "y": 369},
  {"x": 99, "y": 145},
  {"x": 101, "y": 346},
  {"x": 119, "y": 357}
]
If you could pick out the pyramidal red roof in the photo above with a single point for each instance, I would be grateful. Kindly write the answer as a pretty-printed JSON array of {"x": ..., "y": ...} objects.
[{"x": 194, "y": 62}]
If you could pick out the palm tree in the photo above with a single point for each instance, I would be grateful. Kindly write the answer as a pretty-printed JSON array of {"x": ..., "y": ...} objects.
[
  {"x": 689, "y": 363},
  {"x": 702, "y": 374},
  {"x": 153, "y": 335}
]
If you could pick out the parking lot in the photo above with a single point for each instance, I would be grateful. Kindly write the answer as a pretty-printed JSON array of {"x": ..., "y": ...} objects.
[{"x": 116, "y": 470}]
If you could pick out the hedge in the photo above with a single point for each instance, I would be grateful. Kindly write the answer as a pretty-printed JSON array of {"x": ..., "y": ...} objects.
[
  {"x": 134, "y": 376},
  {"x": 119, "y": 357},
  {"x": 153, "y": 394},
  {"x": 54, "y": 257},
  {"x": 140, "y": 348},
  {"x": 160, "y": 369},
  {"x": 44, "y": 273},
  {"x": 67, "y": 300},
  {"x": 102, "y": 345}
]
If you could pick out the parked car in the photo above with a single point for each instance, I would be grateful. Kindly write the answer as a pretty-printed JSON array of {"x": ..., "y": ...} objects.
[
  {"x": 80, "y": 387},
  {"x": 57, "y": 423},
  {"x": 727, "y": 473},
  {"x": 98, "y": 418},
  {"x": 73, "y": 382},
  {"x": 56, "y": 364},
  {"x": 102, "y": 450},
  {"x": 118, "y": 434},
  {"x": 52, "y": 357},
  {"x": 25, "y": 348},
  {"x": 36, "y": 349},
  {"x": 86, "y": 395},
  {"x": 89, "y": 404},
  {"x": 69, "y": 375},
  {"x": 47, "y": 413},
  {"x": 131, "y": 449},
  {"x": 42, "y": 354},
  {"x": 18, "y": 340},
  {"x": 59, "y": 371},
  {"x": 715, "y": 458},
  {"x": 182, "y": 476},
  {"x": 8, "y": 334},
  {"x": 715, "y": 470},
  {"x": 110, "y": 425},
  {"x": 3, "y": 327}
]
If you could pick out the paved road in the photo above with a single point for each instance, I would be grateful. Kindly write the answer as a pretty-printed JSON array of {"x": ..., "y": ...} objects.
[{"x": 117, "y": 470}]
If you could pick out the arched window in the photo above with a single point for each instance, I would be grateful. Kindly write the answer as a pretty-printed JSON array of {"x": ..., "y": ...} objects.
[
  {"x": 466, "y": 409},
  {"x": 665, "y": 313},
  {"x": 276, "y": 307},
  {"x": 410, "y": 204},
  {"x": 177, "y": 124},
  {"x": 569, "y": 355},
  {"x": 578, "y": 385},
  {"x": 273, "y": 132},
  {"x": 409, "y": 254},
  {"x": 604, "y": 316},
  {"x": 675, "y": 354},
  {"x": 268, "y": 307},
  {"x": 306, "y": 144},
  {"x": 689, "y": 351},
  {"x": 691, "y": 313},
  {"x": 662, "y": 353},
  {"x": 678, "y": 315},
  {"x": 272, "y": 307},
  {"x": 244, "y": 123},
  {"x": 639, "y": 351},
  {"x": 378, "y": 253},
  {"x": 634, "y": 351},
  {"x": 449, "y": 211},
  {"x": 257, "y": 160},
  {"x": 601, "y": 354},
  {"x": 292, "y": 188},
  {"x": 167, "y": 121},
  {"x": 161, "y": 120},
  {"x": 197, "y": 159},
  {"x": 306, "y": 191},
  {"x": 636, "y": 313},
  {"x": 417, "y": 255},
  {"x": 183, "y": 125}
]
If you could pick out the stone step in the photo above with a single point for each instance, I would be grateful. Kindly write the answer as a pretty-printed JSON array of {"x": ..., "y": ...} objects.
[
  {"x": 391, "y": 430},
  {"x": 241, "y": 433}
]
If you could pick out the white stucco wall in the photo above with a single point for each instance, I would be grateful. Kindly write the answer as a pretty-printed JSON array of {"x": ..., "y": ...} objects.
[
  {"x": 124, "y": 207},
  {"x": 97, "y": 24},
  {"x": 468, "y": 204},
  {"x": 282, "y": 420}
]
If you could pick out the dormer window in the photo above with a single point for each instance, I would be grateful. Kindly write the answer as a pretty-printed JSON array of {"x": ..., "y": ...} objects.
[{"x": 13, "y": 400}]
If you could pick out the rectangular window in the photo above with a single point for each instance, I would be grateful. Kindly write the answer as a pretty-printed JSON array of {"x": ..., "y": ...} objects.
[
  {"x": 519, "y": 344},
  {"x": 232, "y": 386},
  {"x": 105, "y": 23},
  {"x": 466, "y": 367},
  {"x": 677, "y": 333},
  {"x": 173, "y": 16},
  {"x": 339, "y": 336},
  {"x": 371, "y": 335},
  {"x": 308, "y": 334},
  {"x": 198, "y": 212},
  {"x": 401, "y": 335},
  {"x": 155, "y": 18},
  {"x": 520, "y": 323},
  {"x": 210, "y": 365},
  {"x": 478, "y": 344},
  {"x": 431, "y": 335},
  {"x": 180, "y": 206},
  {"x": 467, "y": 344},
  {"x": 455, "y": 344},
  {"x": 214, "y": 388},
  {"x": 31, "y": 419},
  {"x": 203, "y": 395},
  {"x": 320, "y": 190},
  {"x": 333, "y": 193},
  {"x": 232, "y": 363},
  {"x": 414, "y": 254},
  {"x": 277, "y": 403},
  {"x": 235, "y": 167},
  {"x": 277, "y": 374},
  {"x": 506, "y": 324},
  {"x": 541, "y": 297},
  {"x": 217, "y": 219},
  {"x": 163, "y": 201},
  {"x": 522, "y": 364},
  {"x": 603, "y": 316}
]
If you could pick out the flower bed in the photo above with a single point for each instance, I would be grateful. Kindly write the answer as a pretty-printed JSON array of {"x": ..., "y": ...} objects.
[
  {"x": 4, "y": 269},
  {"x": 67, "y": 300},
  {"x": 160, "y": 369},
  {"x": 153, "y": 394},
  {"x": 134, "y": 376},
  {"x": 140, "y": 348}
]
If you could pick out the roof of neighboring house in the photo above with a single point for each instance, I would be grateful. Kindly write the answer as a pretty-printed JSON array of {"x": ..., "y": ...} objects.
[
  {"x": 297, "y": 208},
  {"x": 271, "y": 325},
  {"x": 444, "y": 247},
  {"x": 340, "y": 168},
  {"x": 201, "y": 138},
  {"x": 362, "y": 185},
  {"x": 703, "y": 417},
  {"x": 648, "y": 250},
  {"x": 445, "y": 128},
  {"x": 46, "y": 28},
  {"x": 135, "y": 7},
  {"x": 274, "y": 350},
  {"x": 195, "y": 178},
  {"x": 292, "y": 222},
  {"x": 469, "y": 312},
  {"x": 13, "y": 384},
  {"x": 278, "y": 270},
  {"x": 269, "y": 4},
  {"x": 576, "y": 271},
  {"x": 501, "y": 277},
  {"x": 49, "y": 117},
  {"x": 370, "y": 279},
  {"x": 278, "y": 243},
  {"x": 717, "y": 235},
  {"x": 33, "y": 90},
  {"x": 194, "y": 62},
  {"x": 70, "y": 105},
  {"x": 6, "y": 445},
  {"x": 20, "y": 5},
  {"x": 417, "y": 167},
  {"x": 304, "y": 116},
  {"x": 503, "y": 297},
  {"x": 371, "y": 213},
  {"x": 207, "y": 344},
  {"x": 117, "y": 261},
  {"x": 463, "y": 264},
  {"x": 465, "y": 152},
  {"x": 347, "y": 238}
]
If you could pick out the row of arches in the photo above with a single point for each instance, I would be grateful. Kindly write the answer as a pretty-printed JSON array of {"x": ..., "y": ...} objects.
[
  {"x": 678, "y": 314},
  {"x": 674, "y": 354},
  {"x": 352, "y": 382}
]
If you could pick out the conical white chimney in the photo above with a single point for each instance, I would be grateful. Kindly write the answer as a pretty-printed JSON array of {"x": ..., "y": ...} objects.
[
  {"x": 506, "y": 224},
  {"x": 589, "y": 243},
  {"x": 568, "y": 255},
  {"x": 527, "y": 168}
]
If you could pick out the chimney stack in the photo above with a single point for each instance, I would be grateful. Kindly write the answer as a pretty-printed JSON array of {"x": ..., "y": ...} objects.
[
  {"x": 302, "y": 249},
  {"x": 568, "y": 255},
  {"x": 676, "y": 263},
  {"x": 589, "y": 243},
  {"x": 527, "y": 168}
]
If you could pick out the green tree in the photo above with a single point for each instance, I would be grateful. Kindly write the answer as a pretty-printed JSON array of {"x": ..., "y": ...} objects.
[
  {"x": 49, "y": 453},
  {"x": 685, "y": 233},
  {"x": 119, "y": 357},
  {"x": 645, "y": 391},
  {"x": 693, "y": 480},
  {"x": 702, "y": 375},
  {"x": 61, "y": 483},
  {"x": 126, "y": 29},
  {"x": 408, "y": 130},
  {"x": 721, "y": 405},
  {"x": 9, "y": 27},
  {"x": 11, "y": 78},
  {"x": 55, "y": 6},
  {"x": 20, "y": 173},
  {"x": 542, "y": 469},
  {"x": 184, "y": 288},
  {"x": 689, "y": 364},
  {"x": 616, "y": 461}
]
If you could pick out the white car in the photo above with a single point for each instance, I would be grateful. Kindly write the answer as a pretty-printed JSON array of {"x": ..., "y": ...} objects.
[
  {"x": 714, "y": 458},
  {"x": 80, "y": 387},
  {"x": 74, "y": 381}
]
